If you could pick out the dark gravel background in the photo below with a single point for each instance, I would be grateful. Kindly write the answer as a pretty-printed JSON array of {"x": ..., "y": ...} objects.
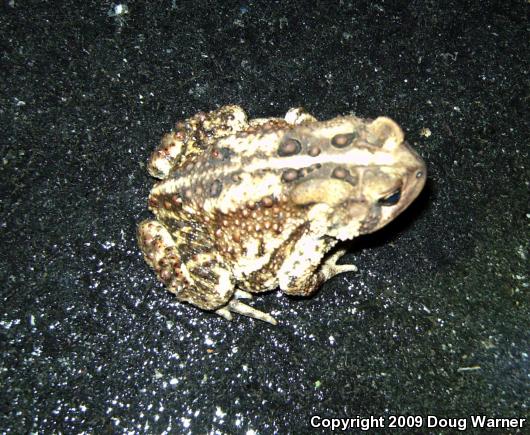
[{"x": 435, "y": 322}]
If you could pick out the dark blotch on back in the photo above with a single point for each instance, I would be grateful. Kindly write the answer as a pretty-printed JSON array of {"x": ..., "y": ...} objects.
[
  {"x": 340, "y": 173},
  {"x": 343, "y": 140},
  {"x": 289, "y": 147},
  {"x": 290, "y": 175},
  {"x": 313, "y": 151},
  {"x": 344, "y": 174}
]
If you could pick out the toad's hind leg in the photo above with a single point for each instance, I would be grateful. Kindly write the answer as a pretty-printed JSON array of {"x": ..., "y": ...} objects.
[
  {"x": 192, "y": 136},
  {"x": 193, "y": 276},
  {"x": 235, "y": 306},
  {"x": 186, "y": 264}
]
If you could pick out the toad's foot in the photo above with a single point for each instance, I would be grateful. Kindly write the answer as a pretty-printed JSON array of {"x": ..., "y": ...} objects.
[
  {"x": 234, "y": 306},
  {"x": 330, "y": 267}
]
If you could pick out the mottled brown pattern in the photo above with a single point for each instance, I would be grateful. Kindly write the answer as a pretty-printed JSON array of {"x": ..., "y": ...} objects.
[
  {"x": 256, "y": 204},
  {"x": 256, "y": 281}
]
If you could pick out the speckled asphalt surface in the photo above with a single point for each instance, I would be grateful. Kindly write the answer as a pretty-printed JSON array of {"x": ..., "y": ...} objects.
[{"x": 436, "y": 321}]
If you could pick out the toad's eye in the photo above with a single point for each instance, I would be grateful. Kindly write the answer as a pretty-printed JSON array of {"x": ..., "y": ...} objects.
[{"x": 390, "y": 199}]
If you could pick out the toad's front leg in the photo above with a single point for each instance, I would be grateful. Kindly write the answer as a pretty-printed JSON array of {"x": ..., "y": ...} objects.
[
  {"x": 200, "y": 278},
  {"x": 304, "y": 271}
]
